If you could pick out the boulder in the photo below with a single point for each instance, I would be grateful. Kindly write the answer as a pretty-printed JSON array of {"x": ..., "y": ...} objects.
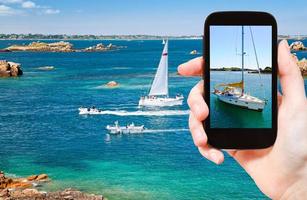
[
  {"x": 8, "y": 69},
  {"x": 193, "y": 52},
  {"x": 26, "y": 194},
  {"x": 17, "y": 184},
  {"x": 112, "y": 84},
  {"x": 69, "y": 193},
  {"x": 31, "y": 192},
  {"x": 42, "y": 177},
  {"x": 4, "y": 65},
  {"x": 100, "y": 47},
  {"x": 4, "y": 193},
  {"x": 302, "y": 64},
  {"x": 4, "y": 181},
  {"x": 32, "y": 177},
  {"x": 297, "y": 46},
  {"x": 110, "y": 46}
]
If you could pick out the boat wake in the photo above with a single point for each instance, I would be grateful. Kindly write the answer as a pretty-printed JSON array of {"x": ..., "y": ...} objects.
[
  {"x": 138, "y": 113},
  {"x": 164, "y": 130}
]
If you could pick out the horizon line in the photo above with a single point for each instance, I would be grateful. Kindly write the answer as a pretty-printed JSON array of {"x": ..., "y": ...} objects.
[{"x": 149, "y": 35}]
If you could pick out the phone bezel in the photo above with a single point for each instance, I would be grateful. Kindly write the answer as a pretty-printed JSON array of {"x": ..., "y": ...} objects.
[{"x": 240, "y": 138}]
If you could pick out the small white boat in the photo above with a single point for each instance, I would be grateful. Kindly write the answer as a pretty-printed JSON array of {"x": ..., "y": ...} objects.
[
  {"x": 131, "y": 128},
  {"x": 158, "y": 94},
  {"x": 163, "y": 41},
  {"x": 89, "y": 111}
]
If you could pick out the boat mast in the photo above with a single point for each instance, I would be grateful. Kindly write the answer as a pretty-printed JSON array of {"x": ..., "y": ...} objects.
[{"x": 242, "y": 60}]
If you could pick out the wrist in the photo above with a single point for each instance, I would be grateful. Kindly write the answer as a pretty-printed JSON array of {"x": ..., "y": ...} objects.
[{"x": 297, "y": 190}]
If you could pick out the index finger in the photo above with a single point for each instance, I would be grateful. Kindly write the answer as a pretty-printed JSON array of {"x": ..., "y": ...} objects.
[{"x": 193, "y": 67}]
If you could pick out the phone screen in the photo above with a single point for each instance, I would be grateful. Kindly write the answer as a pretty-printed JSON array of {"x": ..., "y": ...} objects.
[{"x": 240, "y": 76}]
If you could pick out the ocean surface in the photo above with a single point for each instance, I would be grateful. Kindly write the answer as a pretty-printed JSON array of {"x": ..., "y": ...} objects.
[{"x": 42, "y": 132}]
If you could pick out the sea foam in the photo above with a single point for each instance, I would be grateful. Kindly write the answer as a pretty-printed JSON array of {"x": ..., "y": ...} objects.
[
  {"x": 164, "y": 130},
  {"x": 141, "y": 113}
]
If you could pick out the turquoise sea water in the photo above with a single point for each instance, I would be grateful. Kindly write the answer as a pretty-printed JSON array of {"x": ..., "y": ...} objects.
[{"x": 41, "y": 131}]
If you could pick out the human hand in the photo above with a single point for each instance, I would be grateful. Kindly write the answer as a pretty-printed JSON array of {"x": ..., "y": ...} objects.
[{"x": 281, "y": 170}]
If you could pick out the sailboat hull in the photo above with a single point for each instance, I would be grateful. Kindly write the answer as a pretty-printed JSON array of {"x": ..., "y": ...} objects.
[
  {"x": 245, "y": 101},
  {"x": 160, "y": 101}
]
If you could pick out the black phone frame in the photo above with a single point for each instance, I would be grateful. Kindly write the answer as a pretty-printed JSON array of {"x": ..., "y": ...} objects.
[{"x": 240, "y": 138}]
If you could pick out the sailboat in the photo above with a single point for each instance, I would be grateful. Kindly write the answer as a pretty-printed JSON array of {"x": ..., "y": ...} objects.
[
  {"x": 234, "y": 94},
  {"x": 158, "y": 94}
]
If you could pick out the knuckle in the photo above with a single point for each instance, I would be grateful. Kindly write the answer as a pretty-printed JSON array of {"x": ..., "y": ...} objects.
[
  {"x": 199, "y": 142},
  {"x": 192, "y": 124}
]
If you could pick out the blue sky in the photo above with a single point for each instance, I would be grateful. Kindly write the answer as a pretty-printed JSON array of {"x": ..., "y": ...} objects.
[
  {"x": 157, "y": 17},
  {"x": 225, "y": 43}
]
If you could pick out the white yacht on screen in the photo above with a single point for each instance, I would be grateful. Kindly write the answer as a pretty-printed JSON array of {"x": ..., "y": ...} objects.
[
  {"x": 158, "y": 94},
  {"x": 233, "y": 93}
]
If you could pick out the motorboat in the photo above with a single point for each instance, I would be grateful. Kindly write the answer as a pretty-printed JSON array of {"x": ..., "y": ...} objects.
[
  {"x": 89, "y": 111},
  {"x": 131, "y": 128}
]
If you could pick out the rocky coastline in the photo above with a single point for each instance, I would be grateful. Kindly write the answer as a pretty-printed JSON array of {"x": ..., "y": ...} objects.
[
  {"x": 58, "y": 47},
  {"x": 10, "y": 69},
  {"x": 24, "y": 189},
  {"x": 303, "y": 66}
]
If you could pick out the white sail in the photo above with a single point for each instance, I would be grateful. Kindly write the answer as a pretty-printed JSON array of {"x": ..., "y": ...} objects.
[{"x": 160, "y": 83}]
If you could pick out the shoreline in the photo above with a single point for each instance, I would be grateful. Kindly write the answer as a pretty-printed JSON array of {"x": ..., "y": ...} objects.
[
  {"x": 245, "y": 71},
  {"x": 119, "y": 39},
  {"x": 22, "y": 188},
  {"x": 58, "y": 46},
  {"x": 130, "y": 37}
]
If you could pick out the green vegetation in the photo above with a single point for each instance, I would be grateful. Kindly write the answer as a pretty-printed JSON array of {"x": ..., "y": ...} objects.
[
  {"x": 89, "y": 37},
  {"x": 227, "y": 69},
  {"x": 266, "y": 70},
  {"x": 109, "y": 37}
]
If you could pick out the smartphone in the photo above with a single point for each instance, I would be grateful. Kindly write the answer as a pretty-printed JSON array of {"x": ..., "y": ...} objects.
[{"x": 240, "y": 76}]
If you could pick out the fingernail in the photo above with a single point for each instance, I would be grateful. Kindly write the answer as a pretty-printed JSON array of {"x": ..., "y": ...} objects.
[
  {"x": 287, "y": 46},
  {"x": 286, "y": 43},
  {"x": 181, "y": 65}
]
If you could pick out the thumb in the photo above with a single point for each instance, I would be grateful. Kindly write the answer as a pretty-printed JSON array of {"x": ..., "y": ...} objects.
[{"x": 291, "y": 80}]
